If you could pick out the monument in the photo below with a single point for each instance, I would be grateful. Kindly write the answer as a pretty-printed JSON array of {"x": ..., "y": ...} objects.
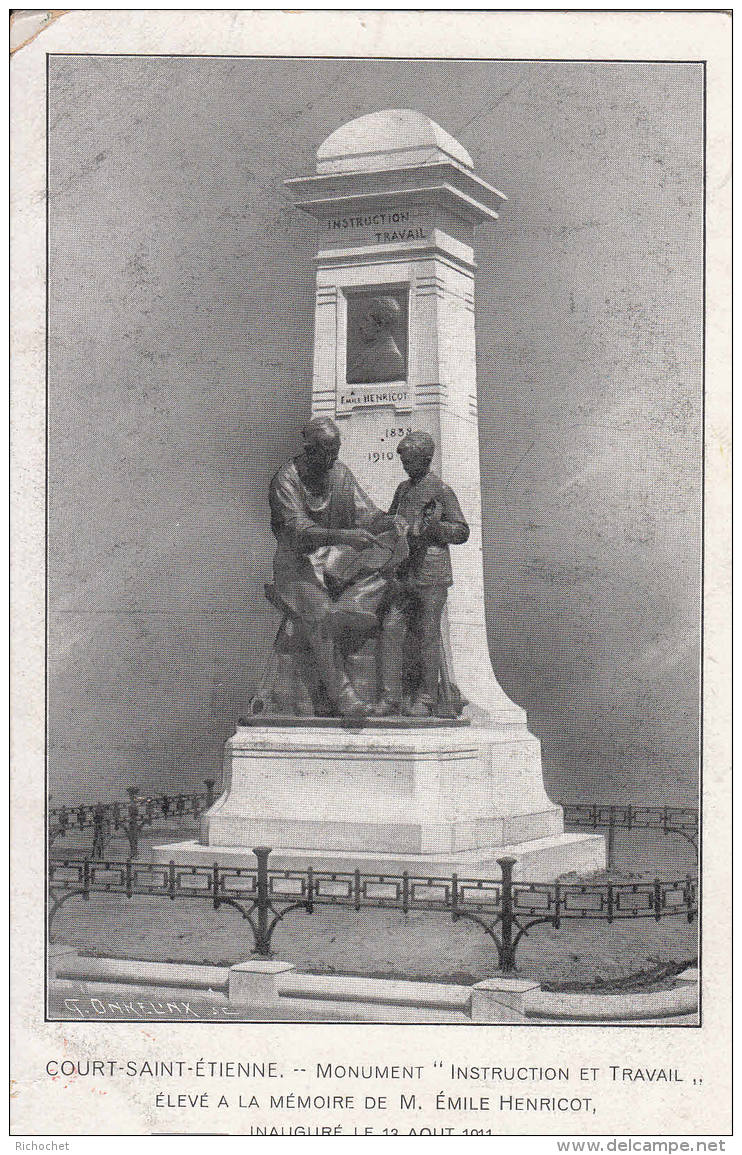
[{"x": 432, "y": 791}]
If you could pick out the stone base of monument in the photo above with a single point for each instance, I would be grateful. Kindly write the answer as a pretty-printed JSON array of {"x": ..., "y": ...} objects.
[
  {"x": 429, "y": 799},
  {"x": 542, "y": 860}
]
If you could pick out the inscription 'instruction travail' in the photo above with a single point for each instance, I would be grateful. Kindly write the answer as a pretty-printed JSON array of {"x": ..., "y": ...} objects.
[{"x": 386, "y": 227}]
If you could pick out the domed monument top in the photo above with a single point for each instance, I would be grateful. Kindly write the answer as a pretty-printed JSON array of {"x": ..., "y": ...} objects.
[
  {"x": 391, "y": 138},
  {"x": 383, "y": 159}
]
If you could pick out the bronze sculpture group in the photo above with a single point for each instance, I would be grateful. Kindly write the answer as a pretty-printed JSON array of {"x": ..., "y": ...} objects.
[{"x": 346, "y": 572}]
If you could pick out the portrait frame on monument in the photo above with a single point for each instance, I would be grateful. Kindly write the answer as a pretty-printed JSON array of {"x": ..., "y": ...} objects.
[
  {"x": 377, "y": 319},
  {"x": 372, "y": 612}
]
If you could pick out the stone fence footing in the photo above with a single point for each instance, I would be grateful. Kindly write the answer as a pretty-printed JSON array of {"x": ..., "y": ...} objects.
[{"x": 272, "y": 984}]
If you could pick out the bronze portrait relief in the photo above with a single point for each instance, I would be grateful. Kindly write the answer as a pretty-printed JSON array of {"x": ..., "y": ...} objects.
[{"x": 377, "y": 337}]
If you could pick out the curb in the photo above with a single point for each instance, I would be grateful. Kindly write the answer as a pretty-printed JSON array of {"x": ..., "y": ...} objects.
[{"x": 262, "y": 983}]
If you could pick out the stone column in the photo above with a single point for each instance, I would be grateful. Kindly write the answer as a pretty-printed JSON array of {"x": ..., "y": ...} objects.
[{"x": 397, "y": 200}]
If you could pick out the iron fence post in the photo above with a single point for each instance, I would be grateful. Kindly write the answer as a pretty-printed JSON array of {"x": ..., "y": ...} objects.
[
  {"x": 215, "y": 884},
  {"x": 210, "y": 791},
  {"x": 99, "y": 815},
  {"x": 262, "y": 937},
  {"x": 689, "y": 896},
  {"x": 611, "y": 834},
  {"x": 132, "y": 826},
  {"x": 507, "y": 956}
]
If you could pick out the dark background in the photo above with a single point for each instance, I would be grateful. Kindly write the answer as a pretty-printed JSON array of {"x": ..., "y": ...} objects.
[{"x": 180, "y": 345}]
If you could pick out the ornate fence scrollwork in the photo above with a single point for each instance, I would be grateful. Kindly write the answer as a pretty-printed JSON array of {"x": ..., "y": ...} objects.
[
  {"x": 503, "y": 917},
  {"x": 258, "y": 911}
]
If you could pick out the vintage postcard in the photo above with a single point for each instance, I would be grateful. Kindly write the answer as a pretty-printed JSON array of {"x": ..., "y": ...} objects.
[{"x": 371, "y": 462}]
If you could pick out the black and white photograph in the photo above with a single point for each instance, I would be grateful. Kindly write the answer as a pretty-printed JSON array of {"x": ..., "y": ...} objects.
[{"x": 374, "y": 399}]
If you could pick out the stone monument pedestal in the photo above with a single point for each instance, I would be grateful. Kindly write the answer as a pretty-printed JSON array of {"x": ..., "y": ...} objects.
[{"x": 386, "y": 796}]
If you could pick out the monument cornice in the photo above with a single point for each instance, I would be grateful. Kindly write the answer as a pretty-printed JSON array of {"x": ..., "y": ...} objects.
[
  {"x": 449, "y": 184},
  {"x": 440, "y": 245}
]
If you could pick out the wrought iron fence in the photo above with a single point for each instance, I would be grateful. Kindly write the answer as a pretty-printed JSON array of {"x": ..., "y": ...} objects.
[
  {"x": 682, "y": 820},
  {"x": 106, "y": 819},
  {"x": 505, "y": 909}
]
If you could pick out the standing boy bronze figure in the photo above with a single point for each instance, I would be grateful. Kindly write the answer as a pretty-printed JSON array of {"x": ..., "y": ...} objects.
[{"x": 434, "y": 519}]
